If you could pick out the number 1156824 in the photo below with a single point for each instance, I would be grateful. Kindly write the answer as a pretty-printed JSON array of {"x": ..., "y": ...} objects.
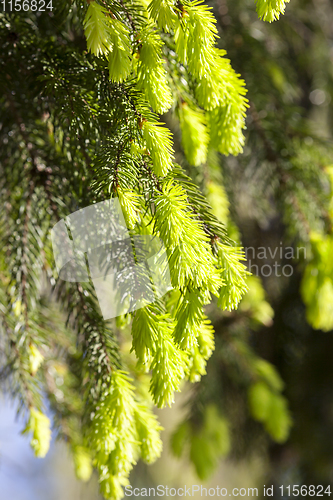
[
  {"x": 26, "y": 5},
  {"x": 311, "y": 491}
]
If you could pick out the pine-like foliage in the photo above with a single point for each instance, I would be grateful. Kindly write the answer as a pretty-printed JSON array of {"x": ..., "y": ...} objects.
[
  {"x": 270, "y": 10},
  {"x": 81, "y": 94},
  {"x": 279, "y": 193}
]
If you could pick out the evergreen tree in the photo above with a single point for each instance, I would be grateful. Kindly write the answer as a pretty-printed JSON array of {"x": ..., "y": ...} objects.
[
  {"x": 276, "y": 196},
  {"x": 83, "y": 87}
]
